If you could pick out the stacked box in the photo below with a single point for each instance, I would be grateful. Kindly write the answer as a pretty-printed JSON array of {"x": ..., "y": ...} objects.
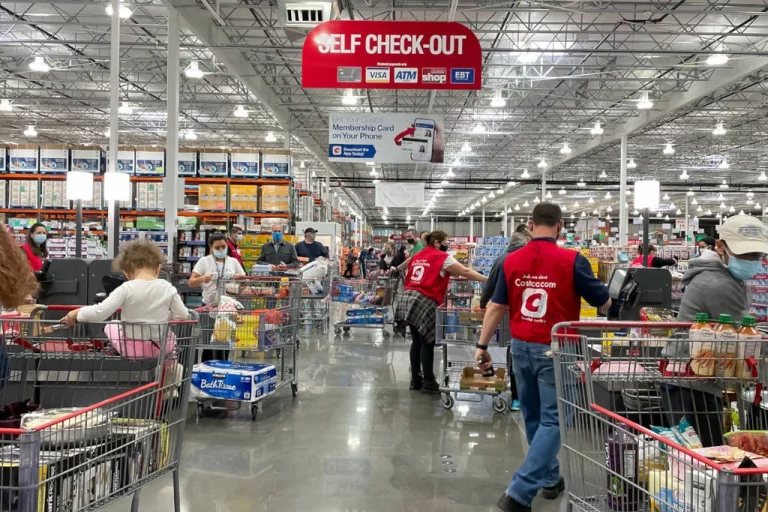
[
  {"x": 150, "y": 161},
  {"x": 3, "y": 193},
  {"x": 227, "y": 380},
  {"x": 275, "y": 198},
  {"x": 96, "y": 202},
  {"x": 23, "y": 158},
  {"x": 54, "y": 195},
  {"x": 88, "y": 158},
  {"x": 187, "y": 162},
  {"x": 23, "y": 194},
  {"x": 276, "y": 163},
  {"x": 243, "y": 198},
  {"x": 212, "y": 197},
  {"x": 214, "y": 162},
  {"x": 147, "y": 196},
  {"x": 126, "y": 159},
  {"x": 54, "y": 159},
  {"x": 3, "y": 159},
  {"x": 244, "y": 163}
]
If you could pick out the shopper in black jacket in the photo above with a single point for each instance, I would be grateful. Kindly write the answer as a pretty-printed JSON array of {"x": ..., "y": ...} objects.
[{"x": 520, "y": 237}]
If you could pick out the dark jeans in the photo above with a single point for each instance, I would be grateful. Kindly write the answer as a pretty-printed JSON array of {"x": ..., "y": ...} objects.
[
  {"x": 510, "y": 372},
  {"x": 703, "y": 410},
  {"x": 422, "y": 356},
  {"x": 348, "y": 271}
]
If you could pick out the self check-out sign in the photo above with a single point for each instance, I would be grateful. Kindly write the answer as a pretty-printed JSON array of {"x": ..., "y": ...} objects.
[{"x": 391, "y": 55}]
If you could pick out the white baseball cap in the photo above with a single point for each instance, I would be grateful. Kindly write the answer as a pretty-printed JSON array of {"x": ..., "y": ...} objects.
[{"x": 745, "y": 234}]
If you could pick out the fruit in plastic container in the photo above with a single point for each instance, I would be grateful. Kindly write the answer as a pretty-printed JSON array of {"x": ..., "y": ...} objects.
[{"x": 755, "y": 441}]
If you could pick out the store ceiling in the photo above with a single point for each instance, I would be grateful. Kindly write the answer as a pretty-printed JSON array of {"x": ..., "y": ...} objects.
[{"x": 561, "y": 67}]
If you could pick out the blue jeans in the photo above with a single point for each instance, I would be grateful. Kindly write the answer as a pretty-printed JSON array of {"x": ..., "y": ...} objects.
[{"x": 535, "y": 377}]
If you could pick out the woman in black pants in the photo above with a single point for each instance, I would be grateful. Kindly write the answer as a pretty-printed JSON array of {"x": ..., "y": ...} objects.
[{"x": 427, "y": 280}]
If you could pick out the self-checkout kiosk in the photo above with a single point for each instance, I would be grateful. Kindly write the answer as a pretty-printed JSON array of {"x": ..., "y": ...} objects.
[{"x": 634, "y": 288}]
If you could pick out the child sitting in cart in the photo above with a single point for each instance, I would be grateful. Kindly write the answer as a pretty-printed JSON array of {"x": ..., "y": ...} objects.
[{"x": 144, "y": 299}]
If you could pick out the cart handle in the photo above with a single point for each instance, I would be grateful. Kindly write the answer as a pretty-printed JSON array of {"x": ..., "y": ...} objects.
[{"x": 103, "y": 403}]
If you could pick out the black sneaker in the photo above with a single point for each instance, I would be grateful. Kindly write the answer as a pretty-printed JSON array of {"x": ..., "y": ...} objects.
[
  {"x": 554, "y": 492},
  {"x": 416, "y": 384},
  {"x": 509, "y": 504},
  {"x": 431, "y": 387}
]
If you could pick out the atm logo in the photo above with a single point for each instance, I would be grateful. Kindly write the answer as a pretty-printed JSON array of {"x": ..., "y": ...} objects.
[
  {"x": 377, "y": 75},
  {"x": 406, "y": 75}
]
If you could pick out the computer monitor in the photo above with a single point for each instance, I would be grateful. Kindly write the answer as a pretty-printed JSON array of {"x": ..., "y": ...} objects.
[{"x": 616, "y": 283}]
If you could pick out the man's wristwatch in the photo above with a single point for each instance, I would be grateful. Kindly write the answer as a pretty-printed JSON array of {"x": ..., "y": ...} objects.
[{"x": 481, "y": 347}]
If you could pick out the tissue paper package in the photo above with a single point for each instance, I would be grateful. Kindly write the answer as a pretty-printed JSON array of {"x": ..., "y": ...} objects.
[{"x": 225, "y": 380}]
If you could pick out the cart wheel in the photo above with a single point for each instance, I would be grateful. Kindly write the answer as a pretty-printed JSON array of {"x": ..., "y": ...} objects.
[
  {"x": 448, "y": 401},
  {"x": 346, "y": 330},
  {"x": 386, "y": 335},
  {"x": 254, "y": 411},
  {"x": 337, "y": 330},
  {"x": 499, "y": 405},
  {"x": 200, "y": 410},
  {"x": 294, "y": 388}
]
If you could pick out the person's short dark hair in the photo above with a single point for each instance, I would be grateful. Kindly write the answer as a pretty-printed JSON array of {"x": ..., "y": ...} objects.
[
  {"x": 651, "y": 248},
  {"x": 547, "y": 214},
  {"x": 436, "y": 236},
  {"x": 709, "y": 240},
  {"x": 215, "y": 237}
]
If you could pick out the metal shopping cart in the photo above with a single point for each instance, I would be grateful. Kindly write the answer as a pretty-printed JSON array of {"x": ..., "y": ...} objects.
[
  {"x": 367, "y": 303},
  {"x": 314, "y": 311},
  {"x": 462, "y": 381},
  {"x": 653, "y": 420},
  {"x": 256, "y": 315},
  {"x": 63, "y": 446}
]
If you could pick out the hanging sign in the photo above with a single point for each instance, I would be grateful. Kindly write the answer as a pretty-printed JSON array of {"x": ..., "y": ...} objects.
[
  {"x": 386, "y": 138},
  {"x": 391, "y": 55}
]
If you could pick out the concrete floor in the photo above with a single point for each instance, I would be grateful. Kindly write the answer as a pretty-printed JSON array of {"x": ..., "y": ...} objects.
[{"x": 354, "y": 439}]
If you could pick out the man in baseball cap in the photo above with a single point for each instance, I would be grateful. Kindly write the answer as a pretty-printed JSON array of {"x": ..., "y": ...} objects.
[
  {"x": 714, "y": 285},
  {"x": 310, "y": 249}
]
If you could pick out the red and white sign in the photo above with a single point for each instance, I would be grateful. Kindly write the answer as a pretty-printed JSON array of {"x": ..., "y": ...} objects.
[{"x": 391, "y": 55}]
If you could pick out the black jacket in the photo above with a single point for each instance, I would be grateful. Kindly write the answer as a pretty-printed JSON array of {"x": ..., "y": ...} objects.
[
  {"x": 490, "y": 285},
  {"x": 285, "y": 253}
]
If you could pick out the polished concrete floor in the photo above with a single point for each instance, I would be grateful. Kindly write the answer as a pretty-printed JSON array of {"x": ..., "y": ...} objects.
[{"x": 354, "y": 439}]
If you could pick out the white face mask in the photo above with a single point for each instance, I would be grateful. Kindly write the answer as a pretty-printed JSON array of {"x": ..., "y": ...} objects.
[{"x": 238, "y": 238}]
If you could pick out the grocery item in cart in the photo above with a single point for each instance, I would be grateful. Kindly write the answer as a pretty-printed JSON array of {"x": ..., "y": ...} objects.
[
  {"x": 621, "y": 457},
  {"x": 77, "y": 429},
  {"x": 755, "y": 441},
  {"x": 703, "y": 353},
  {"x": 227, "y": 380},
  {"x": 748, "y": 347},
  {"x": 473, "y": 378},
  {"x": 726, "y": 336},
  {"x": 655, "y": 315}
]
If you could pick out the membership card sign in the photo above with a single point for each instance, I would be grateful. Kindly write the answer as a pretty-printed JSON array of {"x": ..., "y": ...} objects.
[
  {"x": 386, "y": 138},
  {"x": 391, "y": 55}
]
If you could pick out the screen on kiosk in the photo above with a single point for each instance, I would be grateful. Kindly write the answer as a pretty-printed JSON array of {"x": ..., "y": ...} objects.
[{"x": 617, "y": 282}]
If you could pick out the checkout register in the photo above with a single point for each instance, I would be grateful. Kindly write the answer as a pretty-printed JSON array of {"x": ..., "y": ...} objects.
[{"x": 634, "y": 288}]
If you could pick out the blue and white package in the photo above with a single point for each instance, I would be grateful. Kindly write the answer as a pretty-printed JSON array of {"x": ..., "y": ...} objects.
[{"x": 227, "y": 380}]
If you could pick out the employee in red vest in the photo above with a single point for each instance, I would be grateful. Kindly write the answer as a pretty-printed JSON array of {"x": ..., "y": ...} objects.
[
  {"x": 543, "y": 285},
  {"x": 653, "y": 260},
  {"x": 425, "y": 284},
  {"x": 233, "y": 243}
]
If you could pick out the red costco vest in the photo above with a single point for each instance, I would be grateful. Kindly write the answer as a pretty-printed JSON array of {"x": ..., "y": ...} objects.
[
  {"x": 541, "y": 290},
  {"x": 638, "y": 262},
  {"x": 424, "y": 274}
]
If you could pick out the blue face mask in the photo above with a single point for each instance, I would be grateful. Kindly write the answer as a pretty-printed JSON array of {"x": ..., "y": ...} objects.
[
  {"x": 220, "y": 255},
  {"x": 277, "y": 236},
  {"x": 744, "y": 269},
  {"x": 39, "y": 239}
]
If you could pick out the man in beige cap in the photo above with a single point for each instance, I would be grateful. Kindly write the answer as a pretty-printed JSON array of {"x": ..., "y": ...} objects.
[{"x": 714, "y": 284}]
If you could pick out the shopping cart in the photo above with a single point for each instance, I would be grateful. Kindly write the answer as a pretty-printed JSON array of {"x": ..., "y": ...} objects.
[
  {"x": 253, "y": 315},
  {"x": 314, "y": 311},
  {"x": 462, "y": 381},
  {"x": 366, "y": 303},
  {"x": 62, "y": 447},
  {"x": 653, "y": 420}
]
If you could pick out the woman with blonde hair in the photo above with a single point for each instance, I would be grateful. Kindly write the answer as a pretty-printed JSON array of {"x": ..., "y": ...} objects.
[{"x": 17, "y": 281}]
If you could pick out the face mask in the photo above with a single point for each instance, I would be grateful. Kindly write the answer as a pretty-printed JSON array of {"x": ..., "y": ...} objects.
[
  {"x": 310, "y": 237},
  {"x": 277, "y": 236},
  {"x": 220, "y": 255},
  {"x": 39, "y": 239},
  {"x": 238, "y": 238},
  {"x": 744, "y": 269},
  {"x": 443, "y": 247},
  {"x": 410, "y": 240}
]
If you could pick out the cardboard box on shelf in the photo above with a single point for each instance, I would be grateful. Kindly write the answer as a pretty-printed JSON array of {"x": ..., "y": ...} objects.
[
  {"x": 88, "y": 158},
  {"x": 244, "y": 163},
  {"x": 24, "y": 158},
  {"x": 3, "y": 191},
  {"x": 275, "y": 198},
  {"x": 54, "y": 158},
  {"x": 276, "y": 163},
  {"x": 214, "y": 162},
  {"x": 150, "y": 160}
]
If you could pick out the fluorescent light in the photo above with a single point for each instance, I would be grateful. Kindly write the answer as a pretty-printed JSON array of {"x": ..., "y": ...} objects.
[
  {"x": 576, "y": 204},
  {"x": 741, "y": 212},
  {"x": 517, "y": 207},
  {"x": 491, "y": 195},
  {"x": 549, "y": 195},
  {"x": 635, "y": 212},
  {"x": 724, "y": 184},
  {"x": 240, "y": 111},
  {"x": 647, "y": 194},
  {"x": 666, "y": 197},
  {"x": 684, "y": 175},
  {"x": 456, "y": 162},
  {"x": 39, "y": 65},
  {"x": 607, "y": 195},
  {"x": 666, "y": 217},
  {"x": 270, "y": 137},
  {"x": 117, "y": 186},
  {"x": 566, "y": 149},
  {"x": 542, "y": 163},
  {"x": 30, "y": 131},
  {"x": 5, "y": 105},
  {"x": 597, "y": 129},
  {"x": 699, "y": 208},
  {"x": 603, "y": 175},
  {"x": 108, "y": 133},
  {"x": 525, "y": 174},
  {"x": 724, "y": 164},
  {"x": 689, "y": 193},
  {"x": 528, "y": 57},
  {"x": 302, "y": 165},
  {"x": 609, "y": 208},
  {"x": 581, "y": 184},
  {"x": 668, "y": 149},
  {"x": 750, "y": 194},
  {"x": 80, "y": 186},
  {"x": 631, "y": 164},
  {"x": 562, "y": 191},
  {"x": 376, "y": 181},
  {"x": 125, "y": 108},
  {"x": 349, "y": 98},
  {"x": 717, "y": 59},
  {"x": 644, "y": 103},
  {"x": 731, "y": 210},
  {"x": 511, "y": 184},
  {"x": 190, "y": 135},
  {"x": 450, "y": 173},
  {"x": 484, "y": 200},
  {"x": 509, "y": 210},
  {"x": 762, "y": 177},
  {"x": 720, "y": 197},
  {"x": 124, "y": 11},
  {"x": 193, "y": 70},
  {"x": 722, "y": 206},
  {"x": 678, "y": 212},
  {"x": 408, "y": 218},
  {"x": 595, "y": 212},
  {"x": 591, "y": 200},
  {"x": 498, "y": 101},
  {"x": 373, "y": 172},
  {"x": 758, "y": 206},
  {"x": 466, "y": 148},
  {"x": 443, "y": 183},
  {"x": 694, "y": 202},
  {"x": 536, "y": 200},
  {"x": 478, "y": 128},
  {"x": 719, "y": 130},
  {"x": 526, "y": 205}
]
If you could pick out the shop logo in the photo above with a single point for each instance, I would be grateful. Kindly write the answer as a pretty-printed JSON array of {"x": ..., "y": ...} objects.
[
  {"x": 534, "y": 303},
  {"x": 462, "y": 76},
  {"x": 406, "y": 75},
  {"x": 377, "y": 75},
  {"x": 433, "y": 76}
]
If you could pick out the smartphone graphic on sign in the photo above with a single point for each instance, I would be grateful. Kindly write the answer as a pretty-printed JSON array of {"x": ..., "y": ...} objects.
[{"x": 422, "y": 140}]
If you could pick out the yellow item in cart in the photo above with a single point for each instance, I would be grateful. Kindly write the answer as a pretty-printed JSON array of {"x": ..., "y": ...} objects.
[
  {"x": 247, "y": 332},
  {"x": 222, "y": 329}
]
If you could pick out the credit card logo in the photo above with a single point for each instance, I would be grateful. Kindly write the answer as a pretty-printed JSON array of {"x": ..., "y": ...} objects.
[
  {"x": 462, "y": 76},
  {"x": 433, "y": 76},
  {"x": 377, "y": 75},
  {"x": 349, "y": 75},
  {"x": 406, "y": 75}
]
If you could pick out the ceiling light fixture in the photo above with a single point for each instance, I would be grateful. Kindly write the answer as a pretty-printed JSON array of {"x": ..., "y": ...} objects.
[
  {"x": 762, "y": 177},
  {"x": 511, "y": 184},
  {"x": 720, "y": 197},
  {"x": 718, "y": 59},
  {"x": 526, "y": 205},
  {"x": 566, "y": 149},
  {"x": 542, "y": 163},
  {"x": 39, "y": 65},
  {"x": 678, "y": 212},
  {"x": 719, "y": 130},
  {"x": 270, "y": 137},
  {"x": 724, "y": 184},
  {"x": 478, "y": 128},
  {"x": 724, "y": 164},
  {"x": 758, "y": 206},
  {"x": 562, "y": 191},
  {"x": 456, "y": 162},
  {"x": 722, "y": 206},
  {"x": 500, "y": 190},
  {"x": 597, "y": 129},
  {"x": 609, "y": 208},
  {"x": 694, "y": 202},
  {"x": 665, "y": 197},
  {"x": 123, "y": 11},
  {"x": 549, "y": 195},
  {"x": 450, "y": 173},
  {"x": 491, "y": 195},
  {"x": 603, "y": 174},
  {"x": 108, "y": 133},
  {"x": 644, "y": 103},
  {"x": 591, "y": 200},
  {"x": 373, "y": 172},
  {"x": 631, "y": 164},
  {"x": 576, "y": 204},
  {"x": 240, "y": 111},
  {"x": 525, "y": 174},
  {"x": 498, "y": 101},
  {"x": 607, "y": 195},
  {"x": 349, "y": 98},
  {"x": 466, "y": 148},
  {"x": 5, "y": 105},
  {"x": 684, "y": 176},
  {"x": 30, "y": 131},
  {"x": 193, "y": 70},
  {"x": 302, "y": 165},
  {"x": 517, "y": 207},
  {"x": 699, "y": 208},
  {"x": 668, "y": 149},
  {"x": 731, "y": 210},
  {"x": 190, "y": 135},
  {"x": 125, "y": 108},
  {"x": 536, "y": 200},
  {"x": 750, "y": 194},
  {"x": 581, "y": 184}
]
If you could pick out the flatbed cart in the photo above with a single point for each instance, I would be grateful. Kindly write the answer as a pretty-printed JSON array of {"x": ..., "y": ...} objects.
[
  {"x": 460, "y": 327},
  {"x": 258, "y": 315},
  {"x": 108, "y": 414},
  {"x": 696, "y": 441},
  {"x": 367, "y": 303}
]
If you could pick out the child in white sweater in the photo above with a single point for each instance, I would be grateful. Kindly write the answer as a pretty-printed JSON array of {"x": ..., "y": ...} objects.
[{"x": 144, "y": 299}]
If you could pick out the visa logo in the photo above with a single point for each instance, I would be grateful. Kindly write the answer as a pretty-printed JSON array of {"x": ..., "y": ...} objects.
[
  {"x": 462, "y": 76},
  {"x": 406, "y": 75},
  {"x": 377, "y": 75}
]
